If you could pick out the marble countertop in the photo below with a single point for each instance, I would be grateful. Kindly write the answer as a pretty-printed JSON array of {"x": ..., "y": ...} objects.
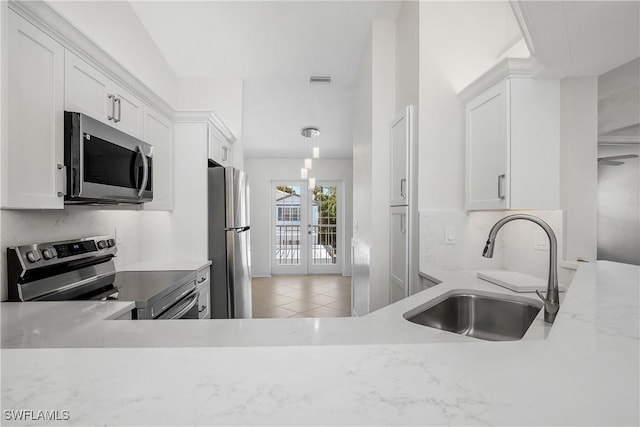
[{"x": 375, "y": 370}]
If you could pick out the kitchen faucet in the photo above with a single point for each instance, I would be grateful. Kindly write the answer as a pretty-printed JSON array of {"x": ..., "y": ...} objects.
[{"x": 552, "y": 300}]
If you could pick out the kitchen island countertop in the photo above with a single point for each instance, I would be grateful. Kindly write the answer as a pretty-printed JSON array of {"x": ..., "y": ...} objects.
[{"x": 375, "y": 370}]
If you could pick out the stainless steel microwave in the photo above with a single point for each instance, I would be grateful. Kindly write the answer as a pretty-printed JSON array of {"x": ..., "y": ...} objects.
[{"x": 105, "y": 165}]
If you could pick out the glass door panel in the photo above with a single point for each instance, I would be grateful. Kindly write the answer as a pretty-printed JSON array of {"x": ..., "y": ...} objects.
[
  {"x": 324, "y": 229},
  {"x": 289, "y": 213}
]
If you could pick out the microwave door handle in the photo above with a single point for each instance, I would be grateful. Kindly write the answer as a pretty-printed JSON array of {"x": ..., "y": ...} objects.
[{"x": 145, "y": 173}]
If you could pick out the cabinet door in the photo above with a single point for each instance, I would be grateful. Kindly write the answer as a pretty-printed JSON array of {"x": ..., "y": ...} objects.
[
  {"x": 214, "y": 145},
  {"x": 87, "y": 90},
  {"x": 158, "y": 131},
  {"x": 32, "y": 152},
  {"x": 399, "y": 168},
  {"x": 226, "y": 154},
  {"x": 487, "y": 149},
  {"x": 398, "y": 254},
  {"x": 204, "y": 306},
  {"x": 129, "y": 112}
]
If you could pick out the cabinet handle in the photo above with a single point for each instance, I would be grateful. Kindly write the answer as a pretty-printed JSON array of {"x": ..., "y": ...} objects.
[
  {"x": 403, "y": 183},
  {"x": 63, "y": 168},
  {"x": 119, "y": 101},
  {"x": 403, "y": 229},
  {"x": 202, "y": 279},
  {"x": 224, "y": 154},
  {"x": 500, "y": 180},
  {"x": 113, "y": 107},
  {"x": 204, "y": 307}
]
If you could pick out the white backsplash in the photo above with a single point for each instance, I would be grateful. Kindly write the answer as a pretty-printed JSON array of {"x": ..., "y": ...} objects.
[
  {"x": 514, "y": 248},
  {"x": 20, "y": 227}
]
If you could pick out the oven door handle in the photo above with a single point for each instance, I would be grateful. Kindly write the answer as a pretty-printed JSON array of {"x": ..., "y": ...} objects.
[
  {"x": 182, "y": 309},
  {"x": 145, "y": 173}
]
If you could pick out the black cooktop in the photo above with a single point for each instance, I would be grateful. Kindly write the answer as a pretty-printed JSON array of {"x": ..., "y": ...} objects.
[{"x": 148, "y": 287}]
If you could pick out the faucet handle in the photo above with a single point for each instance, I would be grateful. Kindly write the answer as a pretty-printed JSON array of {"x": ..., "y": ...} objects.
[{"x": 549, "y": 306}]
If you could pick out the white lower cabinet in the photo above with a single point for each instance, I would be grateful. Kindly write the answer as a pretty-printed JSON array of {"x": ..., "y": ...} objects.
[
  {"x": 32, "y": 151},
  {"x": 158, "y": 131},
  {"x": 398, "y": 254},
  {"x": 204, "y": 282}
]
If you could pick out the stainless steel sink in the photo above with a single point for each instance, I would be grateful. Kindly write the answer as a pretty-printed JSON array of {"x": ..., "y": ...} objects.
[{"x": 491, "y": 317}]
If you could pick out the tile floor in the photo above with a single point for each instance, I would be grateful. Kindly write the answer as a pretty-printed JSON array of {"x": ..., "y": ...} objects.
[{"x": 301, "y": 296}]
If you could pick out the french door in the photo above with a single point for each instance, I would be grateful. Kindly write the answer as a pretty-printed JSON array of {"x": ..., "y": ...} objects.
[{"x": 306, "y": 228}]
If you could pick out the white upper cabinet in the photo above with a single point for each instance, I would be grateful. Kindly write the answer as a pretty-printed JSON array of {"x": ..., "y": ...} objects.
[
  {"x": 487, "y": 148},
  {"x": 158, "y": 131},
  {"x": 513, "y": 146},
  {"x": 89, "y": 91},
  {"x": 220, "y": 150},
  {"x": 400, "y": 156},
  {"x": 214, "y": 146},
  {"x": 32, "y": 152}
]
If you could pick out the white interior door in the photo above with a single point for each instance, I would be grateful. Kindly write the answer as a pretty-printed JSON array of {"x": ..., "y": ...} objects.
[{"x": 306, "y": 228}]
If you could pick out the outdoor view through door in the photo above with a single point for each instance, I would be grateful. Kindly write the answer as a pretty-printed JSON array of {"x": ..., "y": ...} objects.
[{"x": 306, "y": 228}]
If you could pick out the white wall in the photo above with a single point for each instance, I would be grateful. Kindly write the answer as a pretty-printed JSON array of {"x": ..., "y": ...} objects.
[
  {"x": 181, "y": 234},
  {"x": 362, "y": 191},
  {"x": 441, "y": 140},
  {"x": 116, "y": 28},
  {"x": 578, "y": 165},
  {"x": 407, "y": 56},
  {"x": 383, "y": 113},
  {"x": 261, "y": 173},
  {"x": 222, "y": 96}
]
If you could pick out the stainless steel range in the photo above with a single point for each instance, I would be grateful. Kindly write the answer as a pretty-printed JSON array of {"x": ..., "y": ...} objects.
[{"x": 83, "y": 269}]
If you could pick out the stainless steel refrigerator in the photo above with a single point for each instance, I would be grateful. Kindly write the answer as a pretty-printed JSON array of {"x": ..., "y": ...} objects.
[{"x": 229, "y": 251}]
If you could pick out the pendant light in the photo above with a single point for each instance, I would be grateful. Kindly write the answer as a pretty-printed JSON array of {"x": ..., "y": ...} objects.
[{"x": 312, "y": 153}]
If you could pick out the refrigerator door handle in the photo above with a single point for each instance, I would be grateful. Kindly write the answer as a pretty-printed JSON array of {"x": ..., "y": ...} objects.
[{"x": 239, "y": 229}]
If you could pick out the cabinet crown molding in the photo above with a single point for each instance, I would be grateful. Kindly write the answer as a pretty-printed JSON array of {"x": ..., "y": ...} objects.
[
  {"x": 507, "y": 68},
  {"x": 221, "y": 131},
  {"x": 58, "y": 28}
]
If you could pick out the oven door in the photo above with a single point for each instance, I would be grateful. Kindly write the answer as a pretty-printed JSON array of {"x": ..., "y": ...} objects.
[
  {"x": 105, "y": 164},
  {"x": 186, "y": 308}
]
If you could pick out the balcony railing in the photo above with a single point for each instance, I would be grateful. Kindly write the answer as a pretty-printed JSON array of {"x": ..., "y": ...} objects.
[{"x": 323, "y": 243}]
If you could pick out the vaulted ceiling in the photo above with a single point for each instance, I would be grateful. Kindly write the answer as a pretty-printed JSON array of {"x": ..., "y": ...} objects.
[{"x": 274, "y": 46}]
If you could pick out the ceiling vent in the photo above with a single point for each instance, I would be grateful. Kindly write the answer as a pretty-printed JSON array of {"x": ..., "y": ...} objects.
[{"x": 319, "y": 80}]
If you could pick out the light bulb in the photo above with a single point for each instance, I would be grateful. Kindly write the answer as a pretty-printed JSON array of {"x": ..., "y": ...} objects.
[
  {"x": 303, "y": 173},
  {"x": 312, "y": 183},
  {"x": 316, "y": 152},
  {"x": 308, "y": 163}
]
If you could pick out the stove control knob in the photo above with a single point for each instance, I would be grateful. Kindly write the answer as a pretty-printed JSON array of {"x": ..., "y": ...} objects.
[
  {"x": 33, "y": 256},
  {"x": 102, "y": 244},
  {"x": 48, "y": 254},
  {"x": 111, "y": 243}
]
